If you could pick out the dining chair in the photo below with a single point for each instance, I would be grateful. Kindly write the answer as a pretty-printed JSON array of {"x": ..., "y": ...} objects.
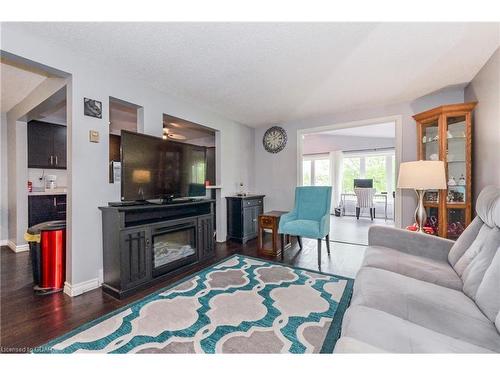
[
  {"x": 364, "y": 199},
  {"x": 310, "y": 216}
]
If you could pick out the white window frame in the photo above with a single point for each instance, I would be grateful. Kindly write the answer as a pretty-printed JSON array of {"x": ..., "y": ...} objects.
[
  {"x": 362, "y": 155},
  {"x": 312, "y": 158}
]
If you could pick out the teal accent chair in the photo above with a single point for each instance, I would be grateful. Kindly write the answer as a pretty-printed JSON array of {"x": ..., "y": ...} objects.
[{"x": 310, "y": 217}]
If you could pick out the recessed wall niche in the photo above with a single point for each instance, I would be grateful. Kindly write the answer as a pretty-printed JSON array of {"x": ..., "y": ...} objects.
[{"x": 122, "y": 116}]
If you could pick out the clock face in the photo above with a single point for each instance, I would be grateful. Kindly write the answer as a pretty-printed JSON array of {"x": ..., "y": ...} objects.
[{"x": 274, "y": 139}]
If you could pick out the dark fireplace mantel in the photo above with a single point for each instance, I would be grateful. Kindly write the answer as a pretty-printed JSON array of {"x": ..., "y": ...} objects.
[{"x": 144, "y": 244}]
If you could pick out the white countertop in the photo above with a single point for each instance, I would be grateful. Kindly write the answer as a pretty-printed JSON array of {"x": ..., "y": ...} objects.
[{"x": 58, "y": 191}]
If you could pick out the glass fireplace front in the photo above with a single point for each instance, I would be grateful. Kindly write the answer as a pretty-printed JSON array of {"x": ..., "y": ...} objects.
[{"x": 173, "y": 248}]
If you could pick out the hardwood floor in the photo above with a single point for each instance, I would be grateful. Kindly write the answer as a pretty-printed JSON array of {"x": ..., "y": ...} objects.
[{"x": 28, "y": 320}]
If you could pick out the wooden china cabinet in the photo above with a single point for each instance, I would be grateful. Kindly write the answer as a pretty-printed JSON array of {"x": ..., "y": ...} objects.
[{"x": 445, "y": 133}]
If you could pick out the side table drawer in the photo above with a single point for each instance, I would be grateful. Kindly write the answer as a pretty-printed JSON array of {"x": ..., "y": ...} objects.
[
  {"x": 252, "y": 202},
  {"x": 266, "y": 222}
]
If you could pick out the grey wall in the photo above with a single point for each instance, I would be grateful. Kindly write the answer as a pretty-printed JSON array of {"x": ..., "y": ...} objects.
[
  {"x": 88, "y": 186},
  {"x": 4, "y": 234},
  {"x": 276, "y": 174},
  {"x": 485, "y": 89},
  {"x": 322, "y": 143}
]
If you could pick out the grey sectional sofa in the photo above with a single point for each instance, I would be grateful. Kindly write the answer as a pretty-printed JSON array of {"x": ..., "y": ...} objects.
[{"x": 417, "y": 293}]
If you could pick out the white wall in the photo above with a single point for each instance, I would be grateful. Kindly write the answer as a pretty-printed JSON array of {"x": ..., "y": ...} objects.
[
  {"x": 88, "y": 162},
  {"x": 276, "y": 174},
  {"x": 322, "y": 143},
  {"x": 485, "y": 89}
]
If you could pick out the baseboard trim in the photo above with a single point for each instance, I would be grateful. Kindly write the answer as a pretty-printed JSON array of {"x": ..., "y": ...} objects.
[
  {"x": 4, "y": 243},
  {"x": 80, "y": 288},
  {"x": 17, "y": 248}
]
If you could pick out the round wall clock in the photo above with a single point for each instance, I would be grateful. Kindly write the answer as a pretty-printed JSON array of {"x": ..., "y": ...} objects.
[{"x": 274, "y": 139}]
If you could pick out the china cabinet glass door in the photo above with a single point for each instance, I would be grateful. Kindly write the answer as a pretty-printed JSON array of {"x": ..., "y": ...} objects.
[
  {"x": 456, "y": 166},
  {"x": 430, "y": 151}
]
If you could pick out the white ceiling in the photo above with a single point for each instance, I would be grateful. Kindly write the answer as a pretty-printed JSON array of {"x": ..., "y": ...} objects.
[
  {"x": 385, "y": 130},
  {"x": 267, "y": 73},
  {"x": 16, "y": 83}
]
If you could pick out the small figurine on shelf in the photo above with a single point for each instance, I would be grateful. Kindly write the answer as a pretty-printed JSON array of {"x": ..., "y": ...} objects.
[
  {"x": 455, "y": 229},
  {"x": 452, "y": 182},
  {"x": 241, "y": 192},
  {"x": 414, "y": 228},
  {"x": 461, "y": 180}
]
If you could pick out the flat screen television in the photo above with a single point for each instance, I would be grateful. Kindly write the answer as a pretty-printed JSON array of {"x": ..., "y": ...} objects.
[
  {"x": 154, "y": 168},
  {"x": 363, "y": 182}
]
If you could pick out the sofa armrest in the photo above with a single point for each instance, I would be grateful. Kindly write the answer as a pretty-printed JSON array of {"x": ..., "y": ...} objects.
[{"x": 413, "y": 243}]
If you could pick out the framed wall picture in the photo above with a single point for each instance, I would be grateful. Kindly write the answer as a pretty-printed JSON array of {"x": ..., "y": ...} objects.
[{"x": 92, "y": 108}]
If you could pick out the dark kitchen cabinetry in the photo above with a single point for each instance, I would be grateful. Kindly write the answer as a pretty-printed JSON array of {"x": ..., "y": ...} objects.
[
  {"x": 46, "y": 145},
  {"x": 144, "y": 244},
  {"x": 242, "y": 216},
  {"x": 43, "y": 208}
]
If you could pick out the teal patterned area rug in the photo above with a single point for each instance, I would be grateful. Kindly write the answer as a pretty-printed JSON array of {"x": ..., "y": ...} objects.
[{"x": 240, "y": 305}]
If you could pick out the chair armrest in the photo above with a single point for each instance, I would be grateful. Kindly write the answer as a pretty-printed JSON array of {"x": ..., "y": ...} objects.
[
  {"x": 324, "y": 225},
  {"x": 291, "y": 216},
  {"x": 413, "y": 243}
]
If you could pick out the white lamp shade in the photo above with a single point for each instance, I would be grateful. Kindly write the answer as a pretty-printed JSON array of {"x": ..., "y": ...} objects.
[{"x": 422, "y": 175}]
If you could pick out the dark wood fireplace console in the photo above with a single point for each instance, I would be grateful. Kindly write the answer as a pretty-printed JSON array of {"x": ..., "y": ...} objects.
[{"x": 144, "y": 244}]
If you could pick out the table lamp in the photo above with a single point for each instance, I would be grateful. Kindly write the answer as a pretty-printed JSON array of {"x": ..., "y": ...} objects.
[{"x": 421, "y": 175}]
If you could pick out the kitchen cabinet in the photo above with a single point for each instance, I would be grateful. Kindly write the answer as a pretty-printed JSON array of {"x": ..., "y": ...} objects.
[
  {"x": 43, "y": 208},
  {"x": 46, "y": 145}
]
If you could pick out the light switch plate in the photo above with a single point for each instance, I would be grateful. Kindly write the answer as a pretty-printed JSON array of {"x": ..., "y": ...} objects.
[{"x": 94, "y": 136}]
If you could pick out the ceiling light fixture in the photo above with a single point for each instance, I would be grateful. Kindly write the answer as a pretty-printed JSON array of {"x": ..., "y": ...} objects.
[{"x": 176, "y": 136}]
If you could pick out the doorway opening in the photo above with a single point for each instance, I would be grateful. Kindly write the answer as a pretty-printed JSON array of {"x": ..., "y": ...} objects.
[
  {"x": 360, "y": 161},
  {"x": 180, "y": 130}
]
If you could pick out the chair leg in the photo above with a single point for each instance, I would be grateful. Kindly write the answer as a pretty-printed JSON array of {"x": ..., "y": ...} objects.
[
  {"x": 282, "y": 240},
  {"x": 328, "y": 243},
  {"x": 371, "y": 214},
  {"x": 357, "y": 212},
  {"x": 299, "y": 240},
  {"x": 319, "y": 253}
]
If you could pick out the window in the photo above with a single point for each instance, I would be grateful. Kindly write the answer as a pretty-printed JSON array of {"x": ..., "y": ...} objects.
[
  {"x": 306, "y": 172},
  {"x": 315, "y": 170},
  {"x": 351, "y": 170},
  {"x": 378, "y": 166},
  {"x": 376, "y": 170}
]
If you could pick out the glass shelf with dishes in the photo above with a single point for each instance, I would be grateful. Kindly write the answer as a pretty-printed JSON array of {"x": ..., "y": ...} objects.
[{"x": 444, "y": 133}]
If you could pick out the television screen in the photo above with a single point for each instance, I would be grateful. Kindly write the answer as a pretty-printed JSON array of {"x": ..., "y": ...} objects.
[
  {"x": 154, "y": 168},
  {"x": 363, "y": 182}
]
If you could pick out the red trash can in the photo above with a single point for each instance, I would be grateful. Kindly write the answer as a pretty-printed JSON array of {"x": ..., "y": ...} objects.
[{"x": 52, "y": 255}]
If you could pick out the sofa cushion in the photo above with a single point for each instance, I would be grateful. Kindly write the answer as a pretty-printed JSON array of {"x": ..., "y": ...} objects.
[
  {"x": 305, "y": 228},
  {"x": 370, "y": 330},
  {"x": 497, "y": 322},
  {"x": 421, "y": 268},
  {"x": 464, "y": 241},
  {"x": 474, "y": 273},
  {"x": 347, "y": 344},
  {"x": 487, "y": 206},
  {"x": 473, "y": 251},
  {"x": 488, "y": 292},
  {"x": 444, "y": 310},
  {"x": 488, "y": 214}
]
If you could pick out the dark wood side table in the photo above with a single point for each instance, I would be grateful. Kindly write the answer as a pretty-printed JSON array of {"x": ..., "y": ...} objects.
[{"x": 270, "y": 220}]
